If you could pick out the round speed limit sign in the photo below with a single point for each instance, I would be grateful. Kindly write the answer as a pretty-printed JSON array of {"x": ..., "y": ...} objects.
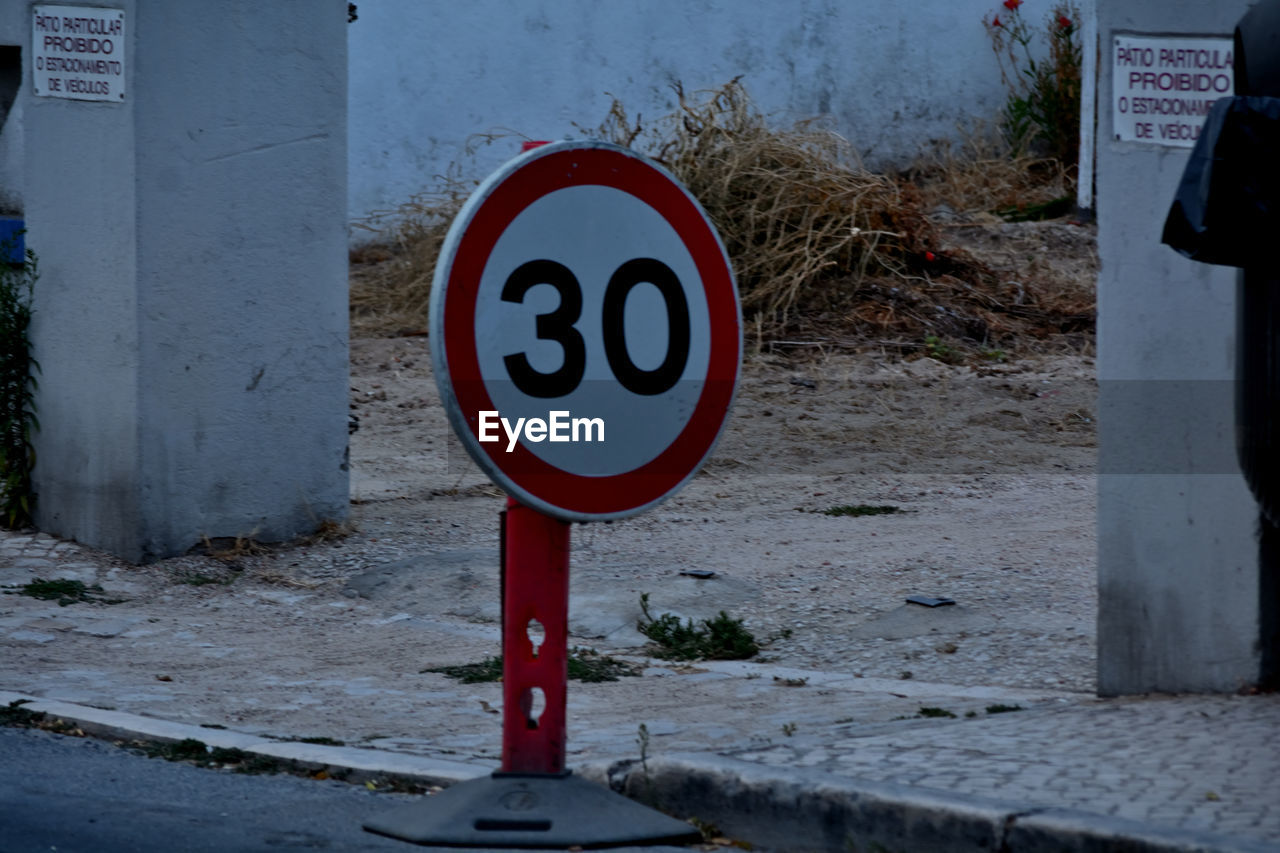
[{"x": 586, "y": 331}]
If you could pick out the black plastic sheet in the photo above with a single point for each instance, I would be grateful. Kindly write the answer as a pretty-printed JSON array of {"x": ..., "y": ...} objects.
[{"x": 1227, "y": 207}]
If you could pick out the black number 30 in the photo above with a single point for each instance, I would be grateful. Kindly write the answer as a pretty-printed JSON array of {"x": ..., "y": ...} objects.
[{"x": 560, "y": 326}]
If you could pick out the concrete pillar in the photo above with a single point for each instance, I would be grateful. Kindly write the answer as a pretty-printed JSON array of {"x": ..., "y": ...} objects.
[
  {"x": 1178, "y": 552},
  {"x": 191, "y": 315}
]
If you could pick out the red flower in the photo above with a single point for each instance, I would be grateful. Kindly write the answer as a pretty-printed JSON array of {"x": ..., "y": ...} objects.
[
  {"x": 1064, "y": 21},
  {"x": 995, "y": 22},
  {"x": 1012, "y": 5}
]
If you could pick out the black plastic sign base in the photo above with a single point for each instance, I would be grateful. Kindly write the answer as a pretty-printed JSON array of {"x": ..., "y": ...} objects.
[{"x": 530, "y": 812}]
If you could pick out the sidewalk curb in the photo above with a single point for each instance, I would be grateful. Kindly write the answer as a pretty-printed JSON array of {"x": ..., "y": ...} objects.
[
  {"x": 364, "y": 764},
  {"x": 795, "y": 810},
  {"x": 800, "y": 811}
]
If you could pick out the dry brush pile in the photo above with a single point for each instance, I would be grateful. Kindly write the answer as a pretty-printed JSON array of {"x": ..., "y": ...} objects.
[{"x": 823, "y": 249}]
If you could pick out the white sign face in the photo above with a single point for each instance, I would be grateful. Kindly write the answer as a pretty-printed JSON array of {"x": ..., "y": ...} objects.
[
  {"x": 578, "y": 228},
  {"x": 78, "y": 52},
  {"x": 1162, "y": 88},
  {"x": 586, "y": 331}
]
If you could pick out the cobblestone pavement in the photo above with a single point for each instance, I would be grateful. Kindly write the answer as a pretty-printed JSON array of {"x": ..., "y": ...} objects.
[
  {"x": 34, "y": 553},
  {"x": 1209, "y": 763},
  {"x": 1186, "y": 763}
]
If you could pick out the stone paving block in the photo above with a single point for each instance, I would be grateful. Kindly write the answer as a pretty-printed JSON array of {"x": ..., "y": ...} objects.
[
  {"x": 105, "y": 628},
  {"x": 1082, "y": 748},
  {"x": 813, "y": 758},
  {"x": 23, "y": 569},
  {"x": 31, "y": 637},
  {"x": 118, "y": 587},
  {"x": 45, "y": 624}
]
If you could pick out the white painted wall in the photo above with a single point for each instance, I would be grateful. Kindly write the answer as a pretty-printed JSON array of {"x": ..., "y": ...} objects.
[
  {"x": 427, "y": 74},
  {"x": 1178, "y": 574}
]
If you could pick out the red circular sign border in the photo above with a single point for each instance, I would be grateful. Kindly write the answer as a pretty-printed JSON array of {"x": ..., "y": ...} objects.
[{"x": 578, "y": 495}]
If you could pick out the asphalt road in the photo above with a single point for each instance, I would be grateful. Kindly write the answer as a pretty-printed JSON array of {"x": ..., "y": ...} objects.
[{"x": 81, "y": 795}]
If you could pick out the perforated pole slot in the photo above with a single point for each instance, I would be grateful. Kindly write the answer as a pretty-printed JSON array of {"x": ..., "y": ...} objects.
[
  {"x": 536, "y": 636},
  {"x": 532, "y": 704}
]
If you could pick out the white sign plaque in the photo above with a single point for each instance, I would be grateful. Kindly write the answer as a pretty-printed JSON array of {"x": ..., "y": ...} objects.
[
  {"x": 1163, "y": 87},
  {"x": 78, "y": 52}
]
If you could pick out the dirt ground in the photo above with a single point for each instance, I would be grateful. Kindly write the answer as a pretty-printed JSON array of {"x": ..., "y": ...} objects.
[{"x": 990, "y": 467}]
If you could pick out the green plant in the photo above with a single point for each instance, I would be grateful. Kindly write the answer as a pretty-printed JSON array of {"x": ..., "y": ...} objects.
[
  {"x": 489, "y": 669},
  {"x": 14, "y": 714},
  {"x": 1002, "y": 709},
  {"x": 187, "y": 749},
  {"x": 590, "y": 667},
  {"x": 17, "y": 390},
  {"x": 935, "y": 348},
  {"x": 936, "y": 712},
  {"x": 721, "y": 638},
  {"x": 199, "y": 753},
  {"x": 1042, "y": 112},
  {"x": 586, "y": 665},
  {"x": 64, "y": 592},
  {"x": 857, "y": 510},
  {"x": 642, "y": 740}
]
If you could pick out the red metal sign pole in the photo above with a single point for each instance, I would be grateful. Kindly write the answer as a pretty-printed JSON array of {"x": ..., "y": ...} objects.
[{"x": 535, "y": 591}]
